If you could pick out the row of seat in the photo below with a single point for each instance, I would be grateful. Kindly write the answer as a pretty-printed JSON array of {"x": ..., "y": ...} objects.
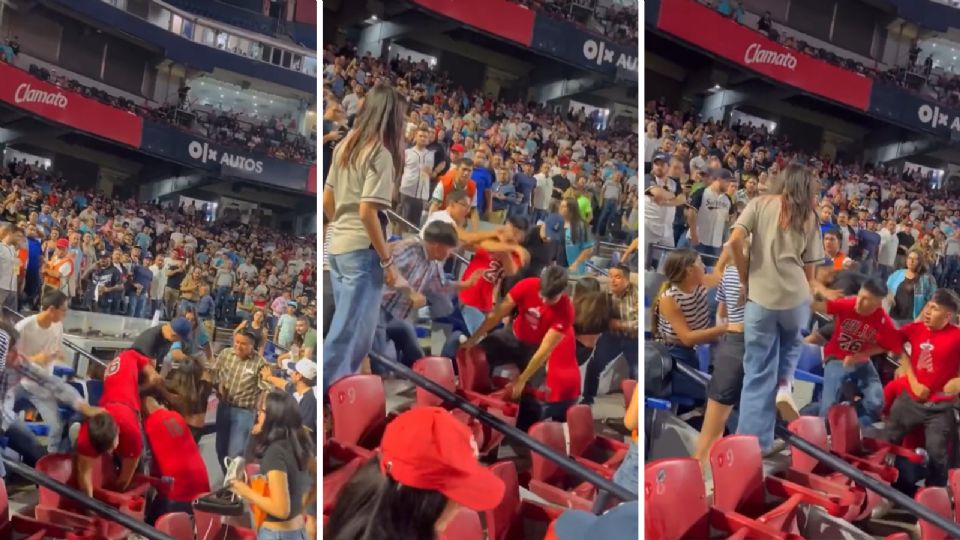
[
  {"x": 358, "y": 410},
  {"x": 741, "y": 494}
]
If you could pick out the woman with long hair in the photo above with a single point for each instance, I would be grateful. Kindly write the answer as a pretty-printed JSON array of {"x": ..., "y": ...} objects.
[
  {"x": 283, "y": 448},
  {"x": 425, "y": 470},
  {"x": 187, "y": 391},
  {"x": 366, "y": 166},
  {"x": 577, "y": 241},
  {"x": 784, "y": 251},
  {"x": 255, "y": 326},
  {"x": 910, "y": 288}
]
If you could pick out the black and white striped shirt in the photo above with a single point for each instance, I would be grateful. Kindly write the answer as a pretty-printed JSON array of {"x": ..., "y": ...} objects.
[
  {"x": 694, "y": 308},
  {"x": 728, "y": 293}
]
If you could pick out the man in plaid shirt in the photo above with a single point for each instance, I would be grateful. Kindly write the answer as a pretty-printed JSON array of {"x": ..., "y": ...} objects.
[
  {"x": 236, "y": 376},
  {"x": 419, "y": 266}
]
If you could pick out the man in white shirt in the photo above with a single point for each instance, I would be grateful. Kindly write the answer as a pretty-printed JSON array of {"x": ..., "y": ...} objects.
[
  {"x": 415, "y": 181},
  {"x": 887, "y": 254},
  {"x": 40, "y": 343},
  {"x": 10, "y": 239},
  {"x": 157, "y": 285},
  {"x": 662, "y": 197},
  {"x": 246, "y": 270},
  {"x": 543, "y": 193}
]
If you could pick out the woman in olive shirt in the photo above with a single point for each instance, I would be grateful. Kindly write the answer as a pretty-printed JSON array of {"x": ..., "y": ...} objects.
[{"x": 282, "y": 446}]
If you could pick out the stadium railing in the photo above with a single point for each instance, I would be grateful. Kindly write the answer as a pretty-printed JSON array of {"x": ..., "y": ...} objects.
[
  {"x": 99, "y": 507},
  {"x": 605, "y": 487},
  {"x": 69, "y": 344},
  {"x": 859, "y": 477}
]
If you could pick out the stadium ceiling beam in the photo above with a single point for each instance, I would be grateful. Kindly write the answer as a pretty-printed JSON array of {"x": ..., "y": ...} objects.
[{"x": 387, "y": 30}]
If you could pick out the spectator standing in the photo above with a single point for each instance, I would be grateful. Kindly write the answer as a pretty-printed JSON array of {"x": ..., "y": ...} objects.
[
  {"x": 415, "y": 180},
  {"x": 237, "y": 379},
  {"x": 10, "y": 266}
]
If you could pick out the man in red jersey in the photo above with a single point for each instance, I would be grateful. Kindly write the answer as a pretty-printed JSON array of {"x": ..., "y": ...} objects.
[
  {"x": 542, "y": 330},
  {"x": 117, "y": 430},
  {"x": 862, "y": 329},
  {"x": 933, "y": 383},
  {"x": 494, "y": 259},
  {"x": 175, "y": 456}
]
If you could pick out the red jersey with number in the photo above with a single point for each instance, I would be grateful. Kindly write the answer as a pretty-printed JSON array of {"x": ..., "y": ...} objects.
[
  {"x": 854, "y": 333},
  {"x": 480, "y": 294},
  {"x": 534, "y": 318},
  {"x": 934, "y": 356},
  {"x": 121, "y": 400},
  {"x": 176, "y": 455},
  {"x": 563, "y": 372}
]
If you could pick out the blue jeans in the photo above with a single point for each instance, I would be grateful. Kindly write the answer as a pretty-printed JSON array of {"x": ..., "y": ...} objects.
[
  {"x": 473, "y": 317},
  {"x": 222, "y": 299},
  {"x": 868, "y": 383},
  {"x": 396, "y": 339},
  {"x": 608, "y": 212},
  {"x": 628, "y": 473},
  {"x": 233, "y": 430},
  {"x": 357, "y": 291},
  {"x": 137, "y": 305},
  {"x": 269, "y": 534},
  {"x": 772, "y": 344}
]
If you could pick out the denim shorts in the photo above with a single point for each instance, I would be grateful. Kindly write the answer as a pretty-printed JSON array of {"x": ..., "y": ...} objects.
[
  {"x": 727, "y": 379},
  {"x": 628, "y": 474}
]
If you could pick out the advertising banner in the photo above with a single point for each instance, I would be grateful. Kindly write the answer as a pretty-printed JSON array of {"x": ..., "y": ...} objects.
[
  {"x": 46, "y": 100},
  {"x": 564, "y": 42},
  {"x": 723, "y": 37},
  {"x": 501, "y": 18},
  {"x": 177, "y": 145},
  {"x": 901, "y": 107}
]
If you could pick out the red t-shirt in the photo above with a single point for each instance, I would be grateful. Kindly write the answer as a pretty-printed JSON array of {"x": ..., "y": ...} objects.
[
  {"x": 563, "y": 372},
  {"x": 176, "y": 455},
  {"x": 480, "y": 294},
  {"x": 934, "y": 356},
  {"x": 854, "y": 332},
  {"x": 534, "y": 318},
  {"x": 121, "y": 400}
]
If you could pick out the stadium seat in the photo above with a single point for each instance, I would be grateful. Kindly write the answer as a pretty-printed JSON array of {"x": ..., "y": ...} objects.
[
  {"x": 627, "y": 386},
  {"x": 439, "y": 370},
  {"x": 676, "y": 506},
  {"x": 334, "y": 482},
  {"x": 178, "y": 525},
  {"x": 60, "y": 468},
  {"x": 739, "y": 486},
  {"x": 938, "y": 500},
  {"x": 807, "y": 470},
  {"x": 810, "y": 367},
  {"x": 94, "y": 391},
  {"x": 358, "y": 406},
  {"x": 465, "y": 525},
  {"x": 600, "y": 453},
  {"x": 548, "y": 480},
  {"x": 703, "y": 356},
  {"x": 506, "y": 521},
  {"x": 213, "y": 527},
  {"x": 475, "y": 381},
  {"x": 866, "y": 453}
]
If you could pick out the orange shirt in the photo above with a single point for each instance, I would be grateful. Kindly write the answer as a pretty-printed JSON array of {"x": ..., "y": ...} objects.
[{"x": 447, "y": 181}]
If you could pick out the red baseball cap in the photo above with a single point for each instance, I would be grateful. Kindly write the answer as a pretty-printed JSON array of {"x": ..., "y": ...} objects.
[
  {"x": 63, "y": 243},
  {"x": 456, "y": 148},
  {"x": 427, "y": 448}
]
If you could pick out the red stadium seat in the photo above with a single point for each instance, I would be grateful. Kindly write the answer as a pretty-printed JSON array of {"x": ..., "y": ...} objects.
[
  {"x": 676, "y": 507},
  {"x": 179, "y": 525},
  {"x": 587, "y": 448},
  {"x": 740, "y": 486},
  {"x": 806, "y": 469},
  {"x": 22, "y": 527},
  {"x": 213, "y": 527},
  {"x": 475, "y": 380},
  {"x": 548, "y": 480},
  {"x": 464, "y": 526},
  {"x": 506, "y": 521},
  {"x": 938, "y": 500},
  {"x": 866, "y": 453},
  {"x": 439, "y": 370},
  {"x": 359, "y": 409},
  {"x": 627, "y": 386}
]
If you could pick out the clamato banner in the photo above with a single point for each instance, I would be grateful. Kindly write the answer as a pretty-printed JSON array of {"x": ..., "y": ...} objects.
[
  {"x": 723, "y": 37},
  {"x": 501, "y": 18},
  {"x": 50, "y": 102}
]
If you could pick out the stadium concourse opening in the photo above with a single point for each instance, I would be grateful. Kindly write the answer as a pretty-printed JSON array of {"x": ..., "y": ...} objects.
[
  {"x": 801, "y": 257},
  {"x": 481, "y": 309},
  {"x": 158, "y": 270}
]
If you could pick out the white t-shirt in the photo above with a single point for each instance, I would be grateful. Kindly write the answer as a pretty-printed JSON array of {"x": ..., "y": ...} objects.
[
  {"x": 544, "y": 192},
  {"x": 34, "y": 340},
  {"x": 9, "y": 262}
]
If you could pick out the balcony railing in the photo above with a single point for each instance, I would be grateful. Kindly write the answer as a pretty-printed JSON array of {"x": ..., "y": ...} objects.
[{"x": 225, "y": 37}]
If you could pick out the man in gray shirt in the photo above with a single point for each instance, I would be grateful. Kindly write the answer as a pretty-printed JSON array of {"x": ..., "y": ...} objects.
[{"x": 610, "y": 194}]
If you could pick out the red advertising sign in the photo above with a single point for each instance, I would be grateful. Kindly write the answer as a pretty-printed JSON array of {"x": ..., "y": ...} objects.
[
  {"x": 498, "y": 17},
  {"x": 312, "y": 179},
  {"x": 722, "y": 36},
  {"x": 23, "y": 91}
]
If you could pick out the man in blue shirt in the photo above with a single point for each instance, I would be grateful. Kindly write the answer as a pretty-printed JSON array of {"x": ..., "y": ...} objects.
[
  {"x": 141, "y": 277},
  {"x": 483, "y": 178},
  {"x": 206, "y": 309},
  {"x": 524, "y": 183}
]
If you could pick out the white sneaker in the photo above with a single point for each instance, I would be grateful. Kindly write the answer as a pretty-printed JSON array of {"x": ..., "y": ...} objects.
[
  {"x": 73, "y": 433},
  {"x": 786, "y": 406},
  {"x": 235, "y": 470}
]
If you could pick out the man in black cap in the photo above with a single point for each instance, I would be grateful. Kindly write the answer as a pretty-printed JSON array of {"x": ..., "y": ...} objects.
[
  {"x": 155, "y": 342},
  {"x": 708, "y": 213}
]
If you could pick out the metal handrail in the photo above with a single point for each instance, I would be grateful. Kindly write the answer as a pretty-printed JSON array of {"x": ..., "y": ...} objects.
[
  {"x": 99, "y": 507},
  {"x": 510, "y": 432},
  {"x": 395, "y": 216},
  {"x": 69, "y": 344},
  {"x": 841, "y": 466}
]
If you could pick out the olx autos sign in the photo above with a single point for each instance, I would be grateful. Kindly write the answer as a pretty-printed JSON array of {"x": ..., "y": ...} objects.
[
  {"x": 937, "y": 118},
  {"x": 603, "y": 54},
  {"x": 206, "y": 153},
  {"x": 565, "y": 42}
]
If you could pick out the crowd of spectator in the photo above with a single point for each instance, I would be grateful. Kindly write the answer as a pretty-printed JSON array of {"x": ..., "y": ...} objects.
[{"x": 616, "y": 22}]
